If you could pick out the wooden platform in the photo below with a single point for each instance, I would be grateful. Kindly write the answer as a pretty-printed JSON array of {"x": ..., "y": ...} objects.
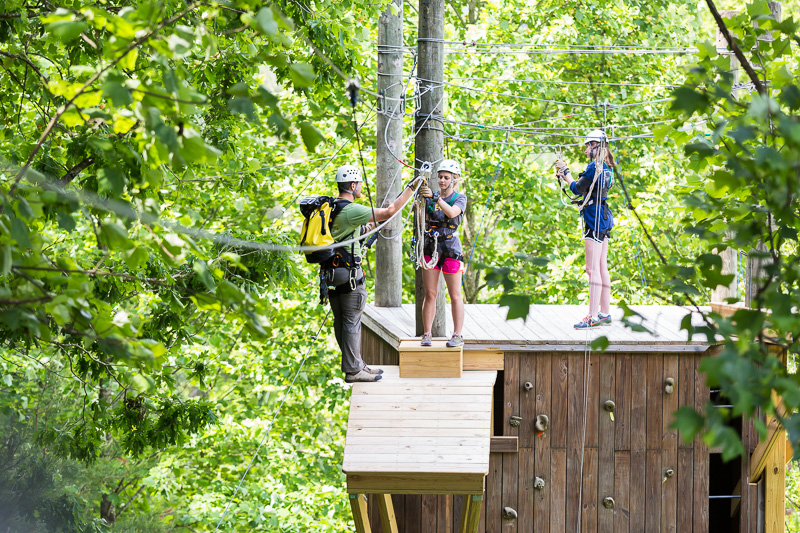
[
  {"x": 435, "y": 361},
  {"x": 547, "y": 328},
  {"x": 419, "y": 435}
]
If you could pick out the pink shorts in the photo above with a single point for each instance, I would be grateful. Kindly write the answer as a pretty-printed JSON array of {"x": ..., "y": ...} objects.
[{"x": 448, "y": 265}]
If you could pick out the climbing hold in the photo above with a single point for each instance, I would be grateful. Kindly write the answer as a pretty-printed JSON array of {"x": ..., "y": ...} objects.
[
  {"x": 541, "y": 423},
  {"x": 538, "y": 483},
  {"x": 609, "y": 406},
  {"x": 509, "y": 513},
  {"x": 669, "y": 385},
  {"x": 515, "y": 421},
  {"x": 669, "y": 472},
  {"x": 528, "y": 386},
  {"x": 608, "y": 502}
]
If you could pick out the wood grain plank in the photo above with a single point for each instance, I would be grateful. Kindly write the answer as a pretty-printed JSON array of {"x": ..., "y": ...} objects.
[
  {"x": 685, "y": 489},
  {"x": 685, "y": 389},
  {"x": 622, "y": 415},
  {"x": 560, "y": 400},
  {"x": 511, "y": 397},
  {"x": 622, "y": 479},
  {"x": 541, "y": 504},
  {"x": 653, "y": 490},
  {"x": 527, "y": 399},
  {"x": 413, "y": 514},
  {"x": 558, "y": 491},
  {"x": 458, "y": 511},
  {"x": 526, "y": 492},
  {"x": 589, "y": 504},
  {"x": 669, "y": 448},
  {"x": 430, "y": 512},
  {"x": 510, "y": 393},
  {"x": 494, "y": 494},
  {"x": 606, "y": 438},
  {"x": 638, "y": 441},
  {"x": 520, "y": 327},
  {"x": 593, "y": 404},
  {"x": 700, "y": 516},
  {"x": 474, "y": 329},
  {"x": 358, "y": 505},
  {"x": 574, "y": 437},
  {"x": 511, "y": 330},
  {"x": 655, "y": 380}
]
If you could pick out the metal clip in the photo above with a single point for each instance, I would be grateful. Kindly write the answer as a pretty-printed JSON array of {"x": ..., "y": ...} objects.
[{"x": 353, "y": 279}]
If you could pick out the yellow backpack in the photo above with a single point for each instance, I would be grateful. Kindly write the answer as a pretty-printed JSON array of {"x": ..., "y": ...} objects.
[{"x": 319, "y": 213}]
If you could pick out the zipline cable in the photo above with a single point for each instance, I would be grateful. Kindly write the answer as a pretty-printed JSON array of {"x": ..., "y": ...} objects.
[
  {"x": 352, "y": 90},
  {"x": 629, "y": 205},
  {"x": 486, "y": 208},
  {"x": 274, "y": 417}
]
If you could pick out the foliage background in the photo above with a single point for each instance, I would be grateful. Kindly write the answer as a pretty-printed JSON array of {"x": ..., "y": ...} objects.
[{"x": 142, "y": 362}]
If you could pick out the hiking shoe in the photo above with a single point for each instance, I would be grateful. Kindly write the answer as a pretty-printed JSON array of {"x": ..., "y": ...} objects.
[
  {"x": 588, "y": 322},
  {"x": 373, "y": 371},
  {"x": 426, "y": 340},
  {"x": 361, "y": 376},
  {"x": 455, "y": 341},
  {"x": 603, "y": 320}
]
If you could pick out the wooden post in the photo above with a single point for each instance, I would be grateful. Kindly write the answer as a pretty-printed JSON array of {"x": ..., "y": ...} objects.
[
  {"x": 474, "y": 513},
  {"x": 755, "y": 265},
  {"x": 386, "y": 509},
  {"x": 389, "y": 177},
  {"x": 430, "y": 135},
  {"x": 358, "y": 504},
  {"x": 729, "y": 256},
  {"x": 462, "y": 527}
]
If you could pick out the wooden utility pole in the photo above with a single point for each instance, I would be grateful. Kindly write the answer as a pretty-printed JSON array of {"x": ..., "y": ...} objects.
[
  {"x": 729, "y": 256},
  {"x": 430, "y": 135},
  {"x": 755, "y": 265},
  {"x": 389, "y": 247}
]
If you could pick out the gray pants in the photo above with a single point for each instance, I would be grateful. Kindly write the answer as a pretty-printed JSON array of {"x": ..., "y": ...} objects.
[{"x": 347, "y": 310}]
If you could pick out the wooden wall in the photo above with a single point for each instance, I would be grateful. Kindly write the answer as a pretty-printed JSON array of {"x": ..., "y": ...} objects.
[{"x": 625, "y": 458}]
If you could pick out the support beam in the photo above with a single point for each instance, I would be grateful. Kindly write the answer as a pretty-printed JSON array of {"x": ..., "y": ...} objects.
[
  {"x": 386, "y": 510},
  {"x": 464, "y": 524},
  {"x": 775, "y": 511},
  {"x": 428, "y": 128},
  {"x": 358, "y": 503},
  {"x": 474, "y": 513},
  {"x": 389, "y": 176}
]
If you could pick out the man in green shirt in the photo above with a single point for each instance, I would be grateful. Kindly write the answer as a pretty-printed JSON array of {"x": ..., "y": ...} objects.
[{"x": 349, "y": 295}]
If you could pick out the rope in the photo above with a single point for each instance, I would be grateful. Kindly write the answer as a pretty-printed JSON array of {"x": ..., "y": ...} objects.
[
  {"x": 629, "y": 205},
  {"x": 274, "y": 417},
  {"x": 486, "y": 208},
  {"x": 353, "y": 91}
]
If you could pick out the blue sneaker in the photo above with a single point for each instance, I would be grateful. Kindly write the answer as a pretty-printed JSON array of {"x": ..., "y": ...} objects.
[
  {"x": 603, "y": 320},
  {"x": 426, "y": 340},
  {"x": 588, "y": 322},
  {"x": 455, "y": 341}
]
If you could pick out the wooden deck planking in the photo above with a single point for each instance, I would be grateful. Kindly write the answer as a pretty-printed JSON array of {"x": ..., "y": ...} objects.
[
  {"x": 408, "y": 430},
  {"x": 638, "y": 441},
  {"x": 560, "y": 397},
  {"x": 622, "y": 415},
  {"x": 546, "y": 325}
]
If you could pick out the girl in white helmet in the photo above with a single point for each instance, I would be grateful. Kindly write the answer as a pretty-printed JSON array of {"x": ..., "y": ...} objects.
[
  {"x": 444, "y": 211},
  {"x": 593, "y": 185}
]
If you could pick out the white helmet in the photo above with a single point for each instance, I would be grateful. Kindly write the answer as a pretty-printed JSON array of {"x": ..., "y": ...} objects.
[
  {"x": 348, "y": 174},
  {"x": 595, "y": 136},
  {"x": 450, "y": 165}
]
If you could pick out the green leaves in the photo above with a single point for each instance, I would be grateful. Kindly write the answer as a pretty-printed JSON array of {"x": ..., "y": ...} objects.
[
  {"x": 265, "y": 21},
  {"x": 312, "y": 137},
  {"x": 689, "y": 101},
  {"x": 519, "y": 306},
  {"x": 302, "y": 75}
]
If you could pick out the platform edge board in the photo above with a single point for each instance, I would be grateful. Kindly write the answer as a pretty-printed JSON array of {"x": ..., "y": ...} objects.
[{"x": 415, "y": 483}]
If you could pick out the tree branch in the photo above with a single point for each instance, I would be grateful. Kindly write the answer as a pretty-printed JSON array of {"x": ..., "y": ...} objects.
[
  {"x": 735, "y": 47},
  {"x": 74, "y": 171},
  {"x": 26, "y": 60},
  {"x": 135, "y": 44}
]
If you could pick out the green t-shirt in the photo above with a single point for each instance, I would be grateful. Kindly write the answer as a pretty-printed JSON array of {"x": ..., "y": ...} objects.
[{"x": 348, "y": 221}]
